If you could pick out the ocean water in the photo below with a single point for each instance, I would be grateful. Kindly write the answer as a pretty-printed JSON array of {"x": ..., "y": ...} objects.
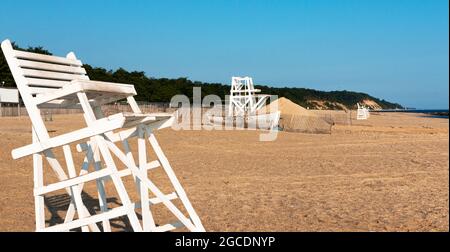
[{"x": 435, "y": 113}]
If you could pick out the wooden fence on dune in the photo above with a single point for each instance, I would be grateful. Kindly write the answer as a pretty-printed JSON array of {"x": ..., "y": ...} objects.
[
  {"x": 321, "y": 122},
  {"x": 148, "y": 107}
]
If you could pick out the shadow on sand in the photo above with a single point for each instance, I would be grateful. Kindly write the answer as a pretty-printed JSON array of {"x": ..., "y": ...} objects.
[{"x": 57, "y": 205}]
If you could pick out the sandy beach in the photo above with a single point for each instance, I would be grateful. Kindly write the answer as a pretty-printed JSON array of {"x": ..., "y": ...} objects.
[{"x": 388, "y": 173}]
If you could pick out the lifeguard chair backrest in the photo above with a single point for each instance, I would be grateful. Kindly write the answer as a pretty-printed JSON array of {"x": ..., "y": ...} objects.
[
  {"x": 241, "y": 83},
  {"x": 37, "y": 74}
]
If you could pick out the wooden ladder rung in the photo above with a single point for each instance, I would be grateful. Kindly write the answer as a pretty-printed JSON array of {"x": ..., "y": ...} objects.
[
  {"x": 152, "y": 165},
  {"x": 116, "y": 212},
  {"x": 126, "y": 171},
  {"x": 73, "y": 181},
  {"x": 154, "y": 201}
]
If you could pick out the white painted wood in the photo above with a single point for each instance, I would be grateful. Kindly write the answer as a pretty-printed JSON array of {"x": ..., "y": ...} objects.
[
  {"x": 126, "y": 159},
  {"x": 243, "y": 98},
  {"x": 84, "y": 170},
  {"x": 99, "y": 127},
  {"x": 99, "y": 114},
  {"x": 101, "y": 143},
  {"x": 129, "y": 156},
  {"x": 41, "y": 140},
  {"x": 56, "y": 167},
  {"x": 114, "y": 213},
  {"x": 153, "y": 188},
  {"x": 147, "y": 218},
  {"x": 127, "y": 172},
  {"x": 51, "y": 67},
  {"x": 54, "y": 164},
  {"x": 89, "y": 158},
  {"x": 45, "y": 58},
  {"x": 32, "y": 73},
  {"x": 105, "y": 87},
  {"x": 76, "y": 191},
  {"x": 153, "y": 164},
  {"x": 118, "y": 183},
  {"x": 156, "y": 200},
  {"x": 38, "y": 182},
  {"x": 19, "y": 78},
  {"x": 163, "y": 120},
  {"x": 103, "y": 91},
  {"x": 47, "y": 81},
  {"x": 103, "y": 203},
  {"x": 73, "y": 181},
  {"x": 176, "y": 184},
  {"x": 134, "y": 106}
]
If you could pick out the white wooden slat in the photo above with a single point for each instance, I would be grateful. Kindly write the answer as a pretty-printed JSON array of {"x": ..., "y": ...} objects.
[
  {"x": 127, "y": 172},
  {"x": 153, "y": 188},
  {"x": 99, "y": 127},
  {"x": 105, "y": 87},
  {"x": 134, "y": 105},
  {"x": 153, "y": 164},
  {"x": 33, "y": 111},
  {"x": 51, "y": 67},
  {"x": 52, "y": 75},
  {"x": 175, "y": 182},
  {"x": 71, "y": 182},
  {"x": 76, "y": 189},
  {"x": 116, "y": 212},
  {"x": 89, "y": 87},
  {"x": 34, "y": 68},
  {"x": 71, "y": 211},
  {"x": 92, "y": 156},
  {"x": 57, "y": 168},
  {"x": 57, "y": 94},
  {"x": 46, "y": 58},
  {"x": 132, "y": 132},
  {"x": 148, "y": 222},
  {"x": 154, "y": 201},
  {"x": 123, "y": 158},
  {"x": 38, "y": 182},
  {"x": 91, "y": 120},
  {"x": 46, "y": 82},
  {"x": 102, "y": 199}
]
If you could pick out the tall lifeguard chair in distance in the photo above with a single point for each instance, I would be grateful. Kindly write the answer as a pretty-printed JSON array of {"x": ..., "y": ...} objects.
[{"x": 244, "y": 99}]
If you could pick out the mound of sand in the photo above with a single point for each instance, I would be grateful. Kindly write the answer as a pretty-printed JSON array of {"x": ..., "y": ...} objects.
[
  {"x": 285, "y": 106},
  {"x": 296, "y": 118}
]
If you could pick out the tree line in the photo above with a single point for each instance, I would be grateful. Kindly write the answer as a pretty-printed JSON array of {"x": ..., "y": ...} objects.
[{"x": 163, "y": 89}]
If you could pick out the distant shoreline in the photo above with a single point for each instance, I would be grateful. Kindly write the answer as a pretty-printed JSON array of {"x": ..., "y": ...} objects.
[{"x": 441, "y": 113}]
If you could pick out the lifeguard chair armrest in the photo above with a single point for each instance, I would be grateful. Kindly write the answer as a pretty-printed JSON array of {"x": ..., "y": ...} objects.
[
  {"x": 76, "y": 86},
  {"x": 99, "y": 127},
  {"x": 107, "y": 87},
  {"x": 155, "y": 121}
]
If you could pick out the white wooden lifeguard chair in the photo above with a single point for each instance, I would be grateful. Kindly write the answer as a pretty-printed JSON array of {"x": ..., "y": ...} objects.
[
  {"x": 46, "y": 81},
  {"x": 362, "y": 113},
  {"x": 243, "y": 97}
]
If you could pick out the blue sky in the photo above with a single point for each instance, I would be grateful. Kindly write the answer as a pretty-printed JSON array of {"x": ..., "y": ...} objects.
[{"x": 397, "y": 49}]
